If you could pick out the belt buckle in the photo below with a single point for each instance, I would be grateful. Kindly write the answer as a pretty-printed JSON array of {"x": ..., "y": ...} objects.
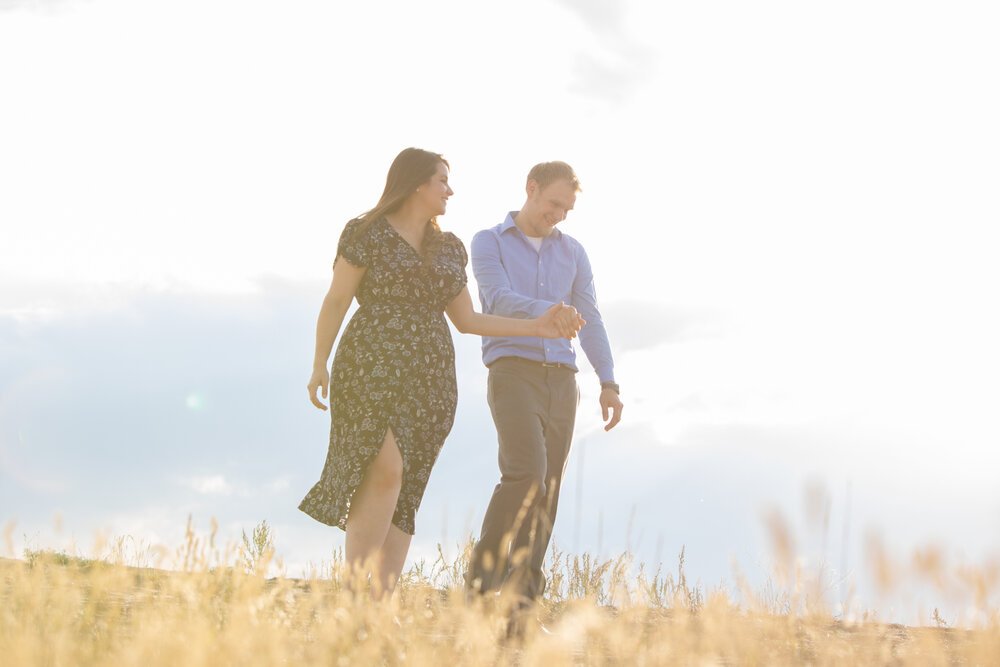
[{"x": 551, "y": 364}]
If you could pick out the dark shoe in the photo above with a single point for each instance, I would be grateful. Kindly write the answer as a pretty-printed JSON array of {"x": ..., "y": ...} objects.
[
  {"x": 523, "y": 622},
  {"x": 517, "y": 628}
]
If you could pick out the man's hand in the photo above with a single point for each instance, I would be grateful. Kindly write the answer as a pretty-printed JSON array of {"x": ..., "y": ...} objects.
[
  {"x": 611, "y": 403},
  {"x": 570, "y": 321},
  {"x": 320, "y": 380},
  {"x": 573, "y": 319},
  {"x": 559, "y": 321}
]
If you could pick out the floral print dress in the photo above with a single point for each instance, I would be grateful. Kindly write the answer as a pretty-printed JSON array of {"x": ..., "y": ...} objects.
[{"x": 394, "y": 368}]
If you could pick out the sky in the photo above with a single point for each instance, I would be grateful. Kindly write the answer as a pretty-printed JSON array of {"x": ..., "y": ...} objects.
[{"x": 790, "y": 209}]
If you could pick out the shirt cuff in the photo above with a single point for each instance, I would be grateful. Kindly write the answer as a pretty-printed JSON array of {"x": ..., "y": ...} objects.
[{"x": 606, "y": 373}]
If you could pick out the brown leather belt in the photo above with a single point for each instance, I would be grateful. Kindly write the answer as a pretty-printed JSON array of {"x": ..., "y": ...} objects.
[{"x": 543, "y": 364}]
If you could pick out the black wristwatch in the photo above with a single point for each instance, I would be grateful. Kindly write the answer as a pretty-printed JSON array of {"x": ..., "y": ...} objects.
[{"x": 612, "y": 385}]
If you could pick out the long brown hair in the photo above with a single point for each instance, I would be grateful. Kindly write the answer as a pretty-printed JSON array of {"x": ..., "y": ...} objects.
[{"x": 412, "y": 168}]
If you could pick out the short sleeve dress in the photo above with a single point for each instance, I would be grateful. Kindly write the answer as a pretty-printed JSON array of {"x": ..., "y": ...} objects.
[{"x": 394, "y": 368}]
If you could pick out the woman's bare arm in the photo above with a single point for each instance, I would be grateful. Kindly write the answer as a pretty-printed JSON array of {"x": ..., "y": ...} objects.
[
  {"x": 343, "y": 287},
  {"x": 560, "y": 321}
]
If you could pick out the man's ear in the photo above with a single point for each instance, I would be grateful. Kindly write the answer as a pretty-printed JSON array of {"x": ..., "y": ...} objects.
[{"x": 531, "y": 188}]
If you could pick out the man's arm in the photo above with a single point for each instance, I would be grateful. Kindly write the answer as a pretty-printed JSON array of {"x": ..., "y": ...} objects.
[
  {"x": 594, "y": 338},
  {"x": 494, "y": 284}
]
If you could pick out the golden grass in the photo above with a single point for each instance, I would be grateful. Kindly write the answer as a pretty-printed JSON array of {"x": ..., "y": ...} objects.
[{"x": 218, "y": 608}]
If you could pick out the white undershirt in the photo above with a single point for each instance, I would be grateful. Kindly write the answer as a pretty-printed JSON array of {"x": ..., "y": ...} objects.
[{"x": 535, "y": 241}]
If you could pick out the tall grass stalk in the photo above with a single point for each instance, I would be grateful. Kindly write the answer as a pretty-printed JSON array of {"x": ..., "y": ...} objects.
[{"x": 207, "y": 604}]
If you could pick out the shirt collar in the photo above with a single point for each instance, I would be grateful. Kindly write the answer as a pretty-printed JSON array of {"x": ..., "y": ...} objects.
[{"x": 509, "y": 224}]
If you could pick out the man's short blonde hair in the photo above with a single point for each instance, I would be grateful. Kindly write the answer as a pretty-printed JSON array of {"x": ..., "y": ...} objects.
[{"x": 546, "y": 173}]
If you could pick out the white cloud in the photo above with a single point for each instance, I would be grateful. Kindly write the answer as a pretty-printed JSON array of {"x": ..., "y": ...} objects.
[
  {"x": 611, "y": 75},
  {"x": 215, "y": 485},
  {"x": 612, "y": 64},
  {"x": 34, "y": 5},
  {"x": 278, "y": 485}
]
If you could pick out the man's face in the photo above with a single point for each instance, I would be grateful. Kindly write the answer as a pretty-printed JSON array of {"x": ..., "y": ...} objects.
[{"x": 549, "y": 206}]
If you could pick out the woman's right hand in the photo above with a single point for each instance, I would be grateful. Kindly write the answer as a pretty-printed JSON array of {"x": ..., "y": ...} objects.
[{"x": 320, "y": 380}]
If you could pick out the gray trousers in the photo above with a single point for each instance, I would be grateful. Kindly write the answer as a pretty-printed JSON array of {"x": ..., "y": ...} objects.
[{"x": 534, "y": 409}]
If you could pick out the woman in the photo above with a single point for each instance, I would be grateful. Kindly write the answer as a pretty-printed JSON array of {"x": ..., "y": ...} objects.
[{"x": 393, "y": 391}]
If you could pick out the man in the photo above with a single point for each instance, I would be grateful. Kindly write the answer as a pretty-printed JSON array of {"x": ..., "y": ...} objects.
[{"x": 523, "y": 266}]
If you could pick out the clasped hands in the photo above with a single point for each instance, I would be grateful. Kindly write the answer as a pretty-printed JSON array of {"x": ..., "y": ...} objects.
[{"x": 561, "y": 321}]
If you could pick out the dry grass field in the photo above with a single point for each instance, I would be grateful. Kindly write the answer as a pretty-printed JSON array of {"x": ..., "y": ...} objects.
[{"x": 215, "y": 606}]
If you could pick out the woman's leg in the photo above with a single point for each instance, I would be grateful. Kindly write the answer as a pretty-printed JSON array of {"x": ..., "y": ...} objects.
[
  {"x": 372, "y": 507},
  {"x": 394, "y": 549}
]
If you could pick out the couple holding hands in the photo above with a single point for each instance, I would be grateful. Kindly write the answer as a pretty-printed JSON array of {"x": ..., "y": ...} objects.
[{"x": 392, "y": 385}]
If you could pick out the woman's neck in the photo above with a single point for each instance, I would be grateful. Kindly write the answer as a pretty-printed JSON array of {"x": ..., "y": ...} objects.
[{"x": 408, "y": 219}]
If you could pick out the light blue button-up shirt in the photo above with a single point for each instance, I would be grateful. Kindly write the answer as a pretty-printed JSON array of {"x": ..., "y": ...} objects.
[{"x": 515, "y": 280}]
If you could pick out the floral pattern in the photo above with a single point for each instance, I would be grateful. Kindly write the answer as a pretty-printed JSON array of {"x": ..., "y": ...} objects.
[{"x": 394, "y": 368}]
